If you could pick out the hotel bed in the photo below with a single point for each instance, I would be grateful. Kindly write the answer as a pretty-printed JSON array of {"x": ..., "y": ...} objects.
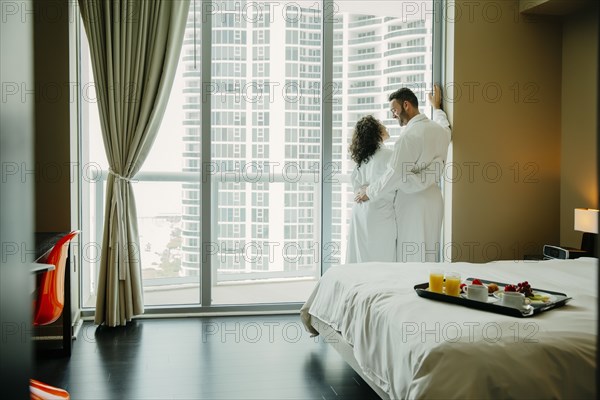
[{"x": 406, "y": 346}]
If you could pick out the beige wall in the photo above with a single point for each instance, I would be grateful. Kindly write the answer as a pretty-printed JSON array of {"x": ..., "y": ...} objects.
[
  {"x": 52, "y": 130},
  {"x": 54, "y": 168},
  {"x": 506, "y": 146},
  {"x": 579, "y": 178}
]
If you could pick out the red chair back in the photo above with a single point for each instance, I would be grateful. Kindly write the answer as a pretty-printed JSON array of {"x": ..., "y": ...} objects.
[
  {"x": 50, "y": 299},
  {"x": 41, "y": 391}
]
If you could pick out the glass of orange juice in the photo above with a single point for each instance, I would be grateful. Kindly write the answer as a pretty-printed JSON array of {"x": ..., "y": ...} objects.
[
  {"x": 453, "y": 283},
  {"x": 436, "y": 280}
]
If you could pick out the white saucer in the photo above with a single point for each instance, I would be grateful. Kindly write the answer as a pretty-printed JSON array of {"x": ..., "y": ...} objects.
[
  {"x": 551, "y": 298},
  {"x": 490, "y": 299}
]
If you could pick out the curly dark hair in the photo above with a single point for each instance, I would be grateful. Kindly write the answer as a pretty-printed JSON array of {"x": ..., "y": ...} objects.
[{"x": 365, "y": 140}]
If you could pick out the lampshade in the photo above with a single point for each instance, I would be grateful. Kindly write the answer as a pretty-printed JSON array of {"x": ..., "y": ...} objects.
[{"x": 586, "y": 220}]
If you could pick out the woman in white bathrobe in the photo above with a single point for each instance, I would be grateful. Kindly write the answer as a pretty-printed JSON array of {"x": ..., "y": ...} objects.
[{"x": 373, "y": 230}]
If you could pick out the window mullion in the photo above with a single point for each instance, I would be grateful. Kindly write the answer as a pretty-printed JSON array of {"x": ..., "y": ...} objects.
[
  {"x": 328, "y": 169},
  {"x": 206, "y": 188}
]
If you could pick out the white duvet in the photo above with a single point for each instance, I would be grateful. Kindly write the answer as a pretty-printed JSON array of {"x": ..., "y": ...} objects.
[{"x": 413, "y": 347}]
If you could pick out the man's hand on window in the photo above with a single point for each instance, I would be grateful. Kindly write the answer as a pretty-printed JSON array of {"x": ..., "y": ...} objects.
[{"x": 436, "y": 99}]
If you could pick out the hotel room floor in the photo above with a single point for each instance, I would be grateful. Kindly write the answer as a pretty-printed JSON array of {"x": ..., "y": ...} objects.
[{"x": 250, "y": 357}]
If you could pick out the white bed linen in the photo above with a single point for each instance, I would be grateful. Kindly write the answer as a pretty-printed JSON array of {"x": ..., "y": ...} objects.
[{"x": 414, "y": 347}]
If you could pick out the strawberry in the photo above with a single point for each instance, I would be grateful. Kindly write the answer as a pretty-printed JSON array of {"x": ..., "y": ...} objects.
[
  {"x": 476, "y": 282},
  {"x": 510, "y": 288}
]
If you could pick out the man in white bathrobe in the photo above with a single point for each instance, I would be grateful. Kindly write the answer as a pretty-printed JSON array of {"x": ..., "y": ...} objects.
[{"x": 415, "y": 171}]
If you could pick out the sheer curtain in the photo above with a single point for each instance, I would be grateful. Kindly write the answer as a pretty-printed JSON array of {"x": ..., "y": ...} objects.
[{"x": 135, "y": 48}]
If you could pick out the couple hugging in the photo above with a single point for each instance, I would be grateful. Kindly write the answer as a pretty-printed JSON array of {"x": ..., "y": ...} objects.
[{"x": 398, "y": 212}]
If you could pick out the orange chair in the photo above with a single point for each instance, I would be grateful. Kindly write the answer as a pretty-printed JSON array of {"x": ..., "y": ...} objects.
[
  {"x": 41, "y": 391},
  {"x": 50, "y": 299},
  {"x": 48, "y": 306}
]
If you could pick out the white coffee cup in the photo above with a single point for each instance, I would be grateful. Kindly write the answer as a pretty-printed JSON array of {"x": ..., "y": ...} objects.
[
  {"x": 477, "y": 292},
  {"x": 515, "y": 300}
]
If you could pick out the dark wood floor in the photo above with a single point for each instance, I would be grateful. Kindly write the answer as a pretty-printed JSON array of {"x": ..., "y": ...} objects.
[{"x": 257, "y": 357}]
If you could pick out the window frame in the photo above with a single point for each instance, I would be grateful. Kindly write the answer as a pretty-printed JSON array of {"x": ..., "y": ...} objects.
[{"x": 207, "y": 197}]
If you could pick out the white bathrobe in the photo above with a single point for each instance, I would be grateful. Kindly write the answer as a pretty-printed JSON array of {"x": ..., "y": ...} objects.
[
  {"x": 372, "y": 235},
  {"x": 415, "y": 171}
]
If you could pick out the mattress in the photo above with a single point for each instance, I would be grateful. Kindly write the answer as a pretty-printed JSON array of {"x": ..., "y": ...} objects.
[{"x": 412, "y": 347}]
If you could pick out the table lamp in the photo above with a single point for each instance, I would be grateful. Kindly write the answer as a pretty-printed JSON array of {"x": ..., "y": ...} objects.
[{"x": 586, "y": 221}]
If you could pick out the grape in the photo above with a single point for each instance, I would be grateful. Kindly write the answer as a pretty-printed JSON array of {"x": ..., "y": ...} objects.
[
  {"x": 525, "y": 288},
  {"x": 521, "y": 287}
]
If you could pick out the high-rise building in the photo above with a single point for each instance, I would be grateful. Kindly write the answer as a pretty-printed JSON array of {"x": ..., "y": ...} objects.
[
  {"x": 266, "y": 127},
  {"x": 372, "y": 57}
]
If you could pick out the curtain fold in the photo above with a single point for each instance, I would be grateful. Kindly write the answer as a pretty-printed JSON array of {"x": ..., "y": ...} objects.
[{"x": 135, "y": 47}]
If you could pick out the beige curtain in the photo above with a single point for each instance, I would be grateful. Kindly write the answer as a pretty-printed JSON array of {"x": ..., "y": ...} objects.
[{"x": 135, "y": 48}]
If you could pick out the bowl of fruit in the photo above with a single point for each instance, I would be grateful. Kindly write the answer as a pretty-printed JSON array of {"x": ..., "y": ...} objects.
[
  {"x": 534, "y": 296},
  {"x": 491, "y": 287}
]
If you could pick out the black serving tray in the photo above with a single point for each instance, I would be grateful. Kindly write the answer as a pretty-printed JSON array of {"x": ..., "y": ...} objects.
[{"x": 561, "y": 300}]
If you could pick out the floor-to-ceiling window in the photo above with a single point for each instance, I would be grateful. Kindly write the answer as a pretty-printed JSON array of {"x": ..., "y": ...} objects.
[
  {"x": 378, "y": 47},
  {"x": 260, "y": 121}
]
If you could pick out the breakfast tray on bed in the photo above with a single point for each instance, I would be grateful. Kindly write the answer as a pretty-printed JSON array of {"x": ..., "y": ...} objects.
[{"x": 556, "y": 299}]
